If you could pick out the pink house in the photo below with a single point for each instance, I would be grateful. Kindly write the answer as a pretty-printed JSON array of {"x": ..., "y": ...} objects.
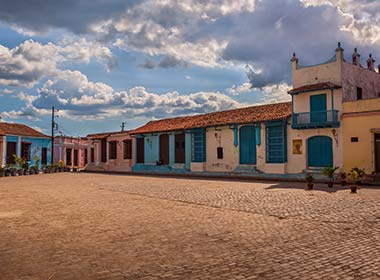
[
  {"x": 110, "y": 151},
  {"x": 71, "y": 150}
]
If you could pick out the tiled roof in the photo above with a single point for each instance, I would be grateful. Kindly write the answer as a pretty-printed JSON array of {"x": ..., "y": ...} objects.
[
  {"x": 20, "y": 130},
  {"x": 313, "y": 87},
  {"x": 261, "y": 113},
  {"x": 106, "y": 134}
]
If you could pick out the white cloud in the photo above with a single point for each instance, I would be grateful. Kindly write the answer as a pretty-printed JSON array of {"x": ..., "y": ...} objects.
[
  {"x": 31, "y": 61},
  {"x": 363, "y": 17}
]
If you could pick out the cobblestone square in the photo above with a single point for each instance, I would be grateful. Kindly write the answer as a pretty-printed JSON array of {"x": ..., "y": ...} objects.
[{"x": 94, "y": 226}]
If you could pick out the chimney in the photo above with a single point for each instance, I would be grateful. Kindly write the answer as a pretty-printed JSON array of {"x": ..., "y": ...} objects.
[
  {"x": 371, "y": 63},
  {"x": 294, "y": 61},
  {"x": 356, "y": 57},
  {"x": 339, "y": 52}
]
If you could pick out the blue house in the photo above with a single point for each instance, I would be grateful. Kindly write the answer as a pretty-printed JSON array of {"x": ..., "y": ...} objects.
[{"x": 25, "y": 142}]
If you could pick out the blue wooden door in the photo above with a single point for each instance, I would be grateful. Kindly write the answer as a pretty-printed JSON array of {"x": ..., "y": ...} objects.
[
  {"x": 320, "y": 151},
  {"x": 247, "y": 145},
  {"x": 318, "y": 108}
]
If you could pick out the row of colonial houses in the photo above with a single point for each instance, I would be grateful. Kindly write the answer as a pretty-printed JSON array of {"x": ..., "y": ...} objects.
[{"x": 333, "y": 119}]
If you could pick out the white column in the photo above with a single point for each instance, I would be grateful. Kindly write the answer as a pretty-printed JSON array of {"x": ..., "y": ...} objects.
[
  {"x": 3, "y": 156},
  {"x": 19, "y": 146}
]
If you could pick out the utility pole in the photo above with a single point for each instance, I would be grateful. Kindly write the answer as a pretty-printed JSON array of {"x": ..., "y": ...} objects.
[{"x": 53, "y": 127}]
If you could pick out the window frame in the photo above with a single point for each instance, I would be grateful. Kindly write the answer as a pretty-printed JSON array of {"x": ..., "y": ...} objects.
[
  {"x": 112, "y": 150},
  {"x": 127, "y": 153}
]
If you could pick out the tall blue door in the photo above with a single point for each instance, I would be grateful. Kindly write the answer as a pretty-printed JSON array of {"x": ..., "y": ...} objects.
[
  {"x": 247, "y": 145},
  {"x": 318, "y": 108},
  {"x": 320, "y": 151}
]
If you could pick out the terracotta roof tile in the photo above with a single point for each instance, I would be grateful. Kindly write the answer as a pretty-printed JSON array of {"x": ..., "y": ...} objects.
[
  {"x": 313, "y": 87},
  {"x": 106, "y": 134},
  {"x": 261, "y": 113},
  {"x": 20, "y": 130}
]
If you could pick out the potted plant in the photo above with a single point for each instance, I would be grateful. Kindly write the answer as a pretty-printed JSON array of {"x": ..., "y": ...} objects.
[
  {"x": 13, "y": 170},
  {"x": 36, "y": 167},
  {"x": 61, "y": 166},
  {"x": 360, "y": 172},
  {"x": 329, "y": 172},
  {"x": 343, "y": 178},
  {"x": 7, "y": 171},
  {"x": 356, "y": 175},
  {"x": 19, "y": 165},
  {"x": 310, "y": 181},
  {"x": 2, "y": 171}
]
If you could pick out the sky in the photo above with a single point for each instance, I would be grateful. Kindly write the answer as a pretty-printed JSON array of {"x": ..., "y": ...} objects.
[{"x": 104, "y": 62}]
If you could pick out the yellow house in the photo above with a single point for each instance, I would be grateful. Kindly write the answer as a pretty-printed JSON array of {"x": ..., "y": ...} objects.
[{"x": 361, "y": 125}]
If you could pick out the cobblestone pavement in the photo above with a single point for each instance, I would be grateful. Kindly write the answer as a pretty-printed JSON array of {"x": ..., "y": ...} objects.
[{"x": 93, "y": 226}]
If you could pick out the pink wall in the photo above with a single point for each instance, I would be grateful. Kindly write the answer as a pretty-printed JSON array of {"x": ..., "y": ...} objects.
[
  {"x": 115, "y": 165},
  {"x": 355, "y": 76},
  {"x": 1, "y": 151},
  {"x": 63, "y": 143}
]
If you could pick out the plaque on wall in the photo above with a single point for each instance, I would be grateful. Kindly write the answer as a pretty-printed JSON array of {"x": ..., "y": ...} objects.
[{"x": 297, "y": 147}]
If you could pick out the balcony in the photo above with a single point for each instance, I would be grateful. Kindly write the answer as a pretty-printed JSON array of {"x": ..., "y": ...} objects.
[{"x": 315, "y": 119}]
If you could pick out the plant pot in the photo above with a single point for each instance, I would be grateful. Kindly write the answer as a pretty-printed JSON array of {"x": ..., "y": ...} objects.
[
  {"x": 2, "y": 173},
  {"x": 13, "y": 172},
  {"x": 353, "y": 188},
  {"x": 330, "y": 184},
  {"x": 310, "y": 186},
  {"x": 7, "y": 173},
  {"x": 20, "y": 172},
  {"x": 343, "y": 183}
]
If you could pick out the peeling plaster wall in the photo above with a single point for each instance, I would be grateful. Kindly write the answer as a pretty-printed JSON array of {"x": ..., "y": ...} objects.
[
  {"x": 221, "y": 137},
  {"x": 356, "y": 76}
]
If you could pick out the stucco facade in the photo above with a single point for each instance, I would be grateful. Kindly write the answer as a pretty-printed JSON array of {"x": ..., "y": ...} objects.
[
  {"x": 112, "y": 159},
  {"x": 361, "y": 125},
  {"x": 71, "y": 150}
]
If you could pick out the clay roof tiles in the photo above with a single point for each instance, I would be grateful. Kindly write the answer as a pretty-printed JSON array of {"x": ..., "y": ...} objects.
[
  {"x": 314, "y": 87},
  {"x": 253, "y": 114},
  {"x": 19, "y": 130}
]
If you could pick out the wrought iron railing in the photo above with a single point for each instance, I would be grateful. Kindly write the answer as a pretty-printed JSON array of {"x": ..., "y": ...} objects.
[{"x": 316, "y": 119}]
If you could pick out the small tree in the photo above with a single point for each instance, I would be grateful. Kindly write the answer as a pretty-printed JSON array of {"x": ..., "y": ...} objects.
[
  {"x": 329, "y": 172},
  {"x": 309, "y": 179}
]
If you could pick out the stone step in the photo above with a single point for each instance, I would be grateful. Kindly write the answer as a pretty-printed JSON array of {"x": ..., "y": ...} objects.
[{"x": 246, "y": 169}]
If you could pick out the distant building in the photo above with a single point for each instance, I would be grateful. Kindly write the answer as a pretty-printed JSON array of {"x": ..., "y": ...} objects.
[
  {"x": 110, "y": 151},
  {"x": 71, "y": 150},
  {"x": 23, "y": 141}
]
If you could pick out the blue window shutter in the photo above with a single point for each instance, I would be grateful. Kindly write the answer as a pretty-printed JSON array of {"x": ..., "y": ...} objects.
[
  {"x": 199, "y": 145},
  {"x": 258, "y": 135},
  {"x": 276, "y": 142}
]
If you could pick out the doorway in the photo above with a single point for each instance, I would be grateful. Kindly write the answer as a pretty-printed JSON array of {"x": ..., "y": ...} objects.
[
  {"x": 320, "y": 151},
  {"x": 247, "y": 145},
  {"x": 377, "y": 152},
  {"x": 164, "y": 149},
  {"x": 68, "y": 157}
]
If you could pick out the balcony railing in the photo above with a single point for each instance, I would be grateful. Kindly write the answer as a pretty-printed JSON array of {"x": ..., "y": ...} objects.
[{"x": 315, "y": 119}]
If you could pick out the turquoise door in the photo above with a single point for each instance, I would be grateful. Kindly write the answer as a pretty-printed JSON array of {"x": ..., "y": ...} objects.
[
  {"x": 247, "y": 145},
  {"x": 318, "y": 108},
  {"x": 320, "y": 151}
]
